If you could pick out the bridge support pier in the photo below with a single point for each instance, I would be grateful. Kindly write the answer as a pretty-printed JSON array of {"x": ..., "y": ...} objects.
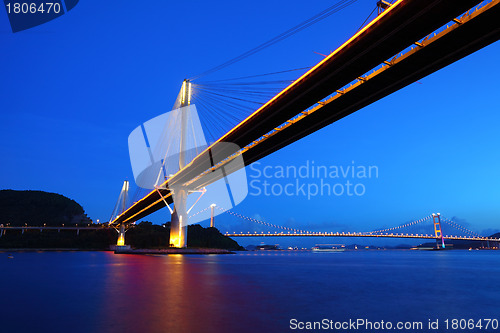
[
  {"x": 179, "y": 217},
  {"x": 120, "y": 246},
  {"x": 121, "y": 236}
]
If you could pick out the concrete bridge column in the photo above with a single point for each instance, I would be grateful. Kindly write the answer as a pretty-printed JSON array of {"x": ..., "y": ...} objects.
[
  {"x": 179, "y": 217},
  {"x": 121, "y": 236},
  {"x": 178, "y": 222}
]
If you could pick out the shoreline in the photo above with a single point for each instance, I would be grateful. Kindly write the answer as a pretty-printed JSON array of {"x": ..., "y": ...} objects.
[
  {"x": 62, "y": 249},
  {"x": 123, "y": 251},
  {"x": 174, "y": 251}
]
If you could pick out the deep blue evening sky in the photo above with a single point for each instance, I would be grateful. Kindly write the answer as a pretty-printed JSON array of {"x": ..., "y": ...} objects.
[{"x": 74, "y": 88}]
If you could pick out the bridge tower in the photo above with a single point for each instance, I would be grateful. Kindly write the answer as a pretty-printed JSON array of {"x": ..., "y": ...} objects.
[
  {"x": 436, "y": 218},
  {"x": 179, "y": 217},
  {"x": 120, "y": 207}
]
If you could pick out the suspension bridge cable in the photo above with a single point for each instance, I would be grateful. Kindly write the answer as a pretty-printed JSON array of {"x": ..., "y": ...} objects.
[
  {"x": 363, "y": 24},
  {"x": 409, "y": 224},
  {"x": 401, "y": 226},
  {"x": 461, "y": 228},
  {"x": 257, "y": 75},
  {"x": 290, "y": 32},
  {"x": 260, "y": 221}
]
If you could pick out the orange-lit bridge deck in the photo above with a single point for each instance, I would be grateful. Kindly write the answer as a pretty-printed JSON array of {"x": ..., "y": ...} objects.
[{"x": 320, "y": 97}]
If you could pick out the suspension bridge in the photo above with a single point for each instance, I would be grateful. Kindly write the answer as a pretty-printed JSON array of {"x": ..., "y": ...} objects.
[
  {"x": 427, "y": 228},
  {"x": 406, "y": 41},
  {"x": 431, "y": 228}
]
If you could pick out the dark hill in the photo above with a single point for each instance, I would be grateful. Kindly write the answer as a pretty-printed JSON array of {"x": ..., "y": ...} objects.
[{"x": 36, "y": 208}]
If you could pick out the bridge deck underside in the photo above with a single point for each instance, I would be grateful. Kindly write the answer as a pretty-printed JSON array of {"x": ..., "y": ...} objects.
[{"x": 401, "y": 26}]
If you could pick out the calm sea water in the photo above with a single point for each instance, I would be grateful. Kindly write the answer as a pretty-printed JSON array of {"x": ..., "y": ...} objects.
[{"x": 246, "y": 292}]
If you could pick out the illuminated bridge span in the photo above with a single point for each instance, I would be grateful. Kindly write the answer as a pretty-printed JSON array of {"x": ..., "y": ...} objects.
[
  {"x": 3, "y": 229},
  {"x": 401, "y": 231},
  {"x": 408, "y": 41},
  {"x": 358, "y": 234}
]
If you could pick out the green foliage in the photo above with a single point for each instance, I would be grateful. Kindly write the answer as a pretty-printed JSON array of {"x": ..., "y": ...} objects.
[{"x": 37, "y": 208}]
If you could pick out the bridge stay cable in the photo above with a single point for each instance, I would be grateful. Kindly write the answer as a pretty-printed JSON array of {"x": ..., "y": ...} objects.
[
  {"x": 458, "y": 40},
  {"x": 290, "y": 131},
  {"x": 290, "y": 32}
]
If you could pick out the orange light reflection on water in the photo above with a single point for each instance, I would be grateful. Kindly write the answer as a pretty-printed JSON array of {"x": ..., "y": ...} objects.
[{"x": 171, "y": 293}]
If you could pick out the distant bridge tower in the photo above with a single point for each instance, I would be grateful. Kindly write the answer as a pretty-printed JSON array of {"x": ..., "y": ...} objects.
[
  {"x": 436, "y": 218},
  {"x": 120, "y": 207},
  {"x": 178, "y": 221}
]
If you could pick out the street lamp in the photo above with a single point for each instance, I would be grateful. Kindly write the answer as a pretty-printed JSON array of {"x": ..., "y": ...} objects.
[{"x": 212, "y": 206}]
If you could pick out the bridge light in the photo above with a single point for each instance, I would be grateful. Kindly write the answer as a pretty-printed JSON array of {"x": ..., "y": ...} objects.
[{"x": 183, "y": 92}]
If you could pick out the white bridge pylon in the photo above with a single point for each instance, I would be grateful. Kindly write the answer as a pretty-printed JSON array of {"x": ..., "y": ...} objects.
[
  {"x": 166, "y": 144},
  {"x": 120, "y": 207}
]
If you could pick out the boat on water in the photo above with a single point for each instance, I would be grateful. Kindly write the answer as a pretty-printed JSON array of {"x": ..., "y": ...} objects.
[{"x": 329, "y": 248}]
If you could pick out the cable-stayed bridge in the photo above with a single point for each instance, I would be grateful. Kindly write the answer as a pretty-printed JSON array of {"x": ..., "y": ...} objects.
[{"x": 407, "y": 41}]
